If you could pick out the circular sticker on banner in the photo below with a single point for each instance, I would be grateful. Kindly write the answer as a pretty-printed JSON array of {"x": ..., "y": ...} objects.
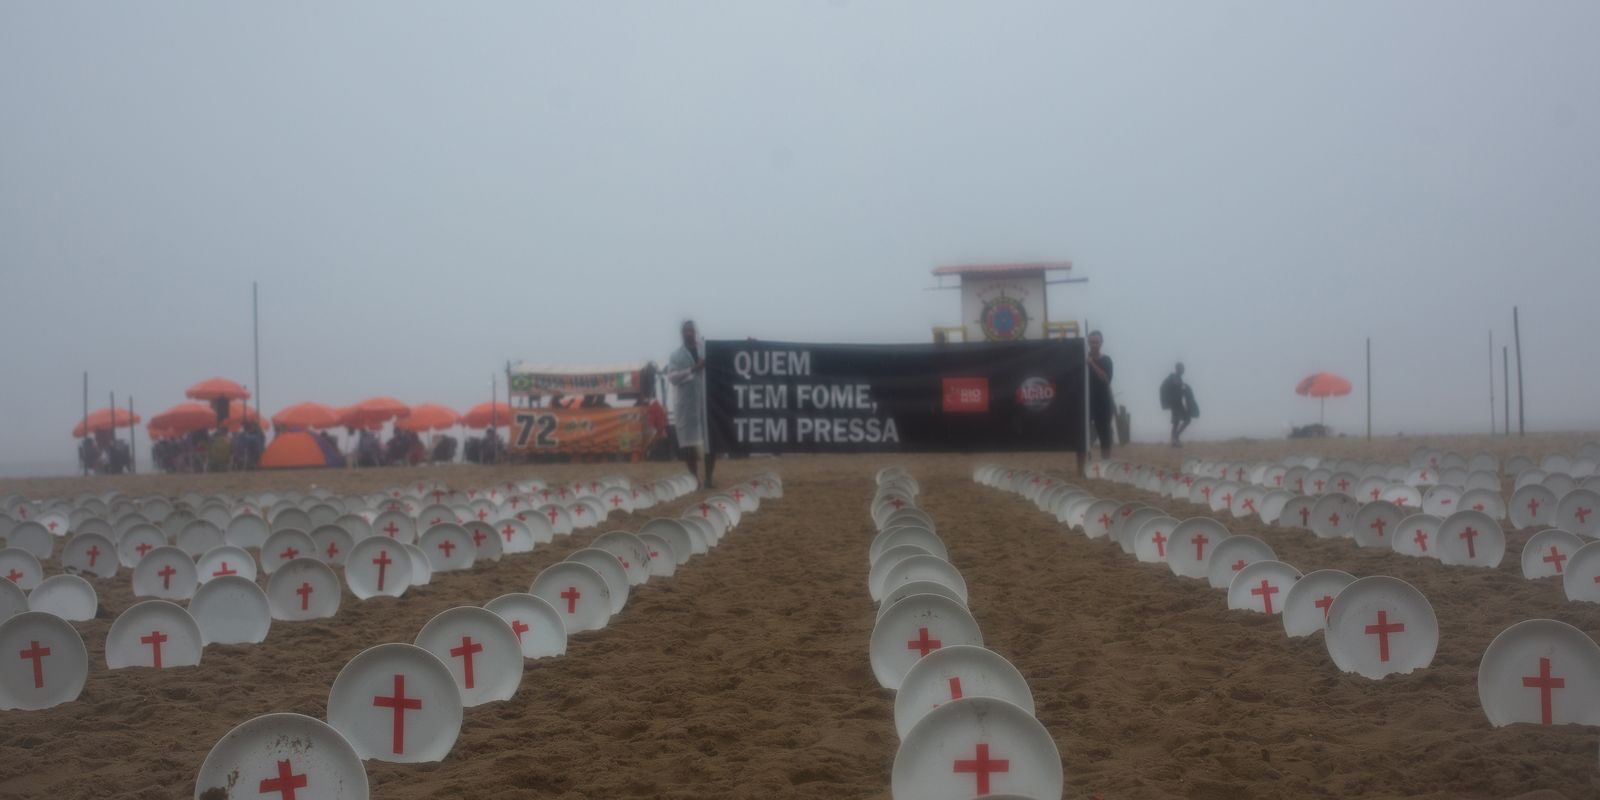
[
  {"x": 1546, "y": 553},
  {"x": 886, "y": 561},
  {"x": 284, "y": 546},
  {"x": 1406, "y": 497},
  {"x": 231, "y": 610},
  {"x": 1306, "y": 604},
  {"x": 1296, "y": 512},
  {"x": 925, "y": 568},
  {"x": 224, "y": 561},
  {"x": 1441, "y": 500},
  {"x": 421, "y": 571},
  {"x": 199, "y": 536},
  {"x": 333, "y": 544},
  {"x": 480, "y": 649},
  {"x": 154, "y": 633},
  {"x": 1192, "y": 543},
  {"x": 675, "y": 534},
  {"x": 977, "y": 747},
  {"x": 1379, "y": 626},
  {"x": 167, "y": 573},
  {"x": 1471, "y": 539},
  {"x": 1578, "y": 511},
  {"x": 378, "y": 567},
  {"x": 282, "y": 756},
  {"x": 952, "y": 673},
  {"x": 559, "y": 518},
  {"x": 303, "y": 589},
  {"x": 395, "y": 526},
  {"x": 914, "y": 588},
  {"x": 1543, "y": 672},
  {"x": 1376, "y": 524},
  {"x": 247, "y": 531},
  {"x": 448, "y": 547},
  {"x": 47, "y": 663},
  {"x": 610, "y": 570},
  {"x": 1580, "y": 578},
  {"x": 663, "y": 563},
  {"x": 1261, "y": 585},
  {"x": 1099, "y": 517},
  {"x": 1233, "y": 554},
  {"x": 538, "y": 627},
  {"x": 915, "y": 627},
  {"x": 32, "y": 537},
  {"x": 515, "y": 536},
  {"x": 577, "y": 593},
  {"x": 631, "y": 554},
  {"x": 1418, "y": 535},
  {"x": 1151, "y": 541},
  {"x": 1531, "y": 506},
  {"x": 90, "y": 554},
  {"x": 1487, "y": 501},
  {"x": 13, "y": 600},
  {"x": 396, "y": 703},
  {"x": 66, "y": 596},
  {"x": 1333, "y": 516}
]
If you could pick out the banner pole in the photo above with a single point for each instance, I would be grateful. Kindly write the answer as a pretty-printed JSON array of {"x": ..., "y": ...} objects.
[
  {"x": 133, "y": 441},
  {"x": 85, "y": 421},
  {"x": 1522, "y": 412}
]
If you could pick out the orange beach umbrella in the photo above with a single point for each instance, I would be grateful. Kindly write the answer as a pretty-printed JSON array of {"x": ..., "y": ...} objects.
[
  {"x": 105, "y": 419},
  {"x": 373, "y": 412},
  {"x": 217, "y": 389},
  {"x": 429, "y": 417},
  {"x": 483, "y": 415},
  {"x": 183, "y": 418},
  {"x": 1322, "y": 385},
  {"x": 306, "y": 415}
]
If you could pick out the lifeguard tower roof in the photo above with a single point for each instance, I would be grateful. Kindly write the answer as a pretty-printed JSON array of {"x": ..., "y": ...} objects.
[{"x": 1026, "y": 268}]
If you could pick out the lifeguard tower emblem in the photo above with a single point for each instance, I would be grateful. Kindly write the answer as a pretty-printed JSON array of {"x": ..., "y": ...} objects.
[{"x": 1003, "y": 319}]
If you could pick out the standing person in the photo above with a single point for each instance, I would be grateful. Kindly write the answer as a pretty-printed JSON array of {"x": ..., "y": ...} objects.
[
  {"x": 686, "y": 371},
  {"x": 1176, "y": 396},
  {"x": 1101, "y": 406}
]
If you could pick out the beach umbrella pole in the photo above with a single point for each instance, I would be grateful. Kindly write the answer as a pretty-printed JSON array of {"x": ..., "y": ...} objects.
[
  {"x": 85, "y": 419},
  {"x": 133, "y": 447}
]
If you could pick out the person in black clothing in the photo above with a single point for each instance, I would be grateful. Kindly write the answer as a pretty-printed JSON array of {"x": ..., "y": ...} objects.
[
  {"x": 1101, "y": 406},
  {"x": 1175, "y": 398}
]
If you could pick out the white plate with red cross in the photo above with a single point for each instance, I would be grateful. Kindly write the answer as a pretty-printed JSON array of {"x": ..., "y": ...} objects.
[
  {"x": 1262, "y": 586},
  {"x": 167, "y": 573},
  {"x": 1487, "y": 501},
  {"x": 231, "y": 609},
  {"x": 486, "y": 541},
  {"x": 577, "y": 592},
  {"x": 303, "y": 589},
  {"x": 1296, "y": 512},
  {"x": 448, "y": 548},
  {"x": 395, "y": 526},
  {"x": 90, "y": 554},
  {"x": 1578, "y": 511},
  {"x": 663, "y": 562},
  {"x": 1533, "y": 505},
  {"x": 1580, "y": 579},
  {"x": 676, "y": 533},
  {"x": 224, "y": 561},
  {"x": 977, "y": 747},
  {"x": 1151, "y": 541},
  {"x": 1471, "y": 539},
  {"x": 610, "y": 569},
  {"x": 397, "y": 703},
  {"x": 516, "y": 536},
  {"x": 1333, "y": 516},
  {"x": 378, "y": 567},
  {"x": 1232, "y": 555},
  {"x": 66, "y": 596},
  {"x": 537, "y": 625},
  {"x": 1306, "y": 604},
  {"x": 1418, "y": 535},
  {"x": 915, "y": 627},
  {"x": 1128, "y": 527},
  {"x": 631, "y": 554},
  {"x": 1376, "y": 524},
  {"x": 32, "y": 537},
  {"x": 284, "y": 546},
  {"x": 47, "y": 663},
  {"x": 20, "y": 567},
  {"x": 1191, "y": 545},
  {"x": 333, "y": 544},
  {"x": 1379, "y": 626},
  {"x": 156, "y": 634},
  {"x": 1546, "y": 553},
  {"x": 480, "y": 649},
  {"x": 952, "y": 673},
  {"x": 282, "y": 757},
  {"x": 1542, "y": 672}
]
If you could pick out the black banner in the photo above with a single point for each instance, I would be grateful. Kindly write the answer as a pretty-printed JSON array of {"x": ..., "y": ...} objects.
[{"x": 789, "y": 397}]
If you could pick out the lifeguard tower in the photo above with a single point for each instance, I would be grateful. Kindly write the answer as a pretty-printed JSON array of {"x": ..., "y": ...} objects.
[{"x": 1005, "y": 302}]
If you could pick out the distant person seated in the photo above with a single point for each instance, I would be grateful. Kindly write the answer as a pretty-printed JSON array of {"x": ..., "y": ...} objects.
[
  {"x": 368, "y": 452},
  {"x": 444, "y": 449},
  {"x": 121, "y": 458},
  {"x": 89, "y": 454}
]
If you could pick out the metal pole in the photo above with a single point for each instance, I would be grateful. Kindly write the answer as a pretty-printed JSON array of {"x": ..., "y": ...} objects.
[
  {"x": 1516, "y": 333},
  {"x": 1505, "y": 393},
  {"x": 255, "y": 338},
  {"x": 1369, "y": 388},
  {"x": 494, "y": 411},
  {"x": 1491, "y": 382},
  {"x": 113, "y": 422},
  {"x": 85, "y": 420},
  {"x": 133, "y": 438}
]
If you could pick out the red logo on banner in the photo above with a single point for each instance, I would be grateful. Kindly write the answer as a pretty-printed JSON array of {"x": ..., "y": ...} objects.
[
  {"x": 966, "y": 395},
  {"x": 1036, "y": 394}
]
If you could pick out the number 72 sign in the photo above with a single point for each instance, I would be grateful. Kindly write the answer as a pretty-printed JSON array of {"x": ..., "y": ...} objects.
[
  {"x": 579, "y": 430},
  {"x": 534, "y": 430}
]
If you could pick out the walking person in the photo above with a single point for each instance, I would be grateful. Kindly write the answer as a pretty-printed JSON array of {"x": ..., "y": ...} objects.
[
  {"x": 686, "y": 370},
  {"x": 1101, "y": 406},
  {"x": 1178, "y": 397}
]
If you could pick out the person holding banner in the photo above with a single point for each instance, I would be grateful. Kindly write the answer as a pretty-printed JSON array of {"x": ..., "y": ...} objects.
[
  {"x": 1101, "y": 405},
  {"x": 686, "y": 371}
]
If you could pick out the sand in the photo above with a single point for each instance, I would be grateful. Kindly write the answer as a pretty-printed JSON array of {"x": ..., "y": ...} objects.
[{"x": 746, "y": 674}]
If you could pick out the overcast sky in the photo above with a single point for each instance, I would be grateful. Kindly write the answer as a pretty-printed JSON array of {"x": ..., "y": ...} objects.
[{"x": 425, "y": 190}]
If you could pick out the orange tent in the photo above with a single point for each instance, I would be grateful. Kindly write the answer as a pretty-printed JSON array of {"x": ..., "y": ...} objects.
[
  {"x": 217, "y": 389},
  {"x": 483, "y": 414},
  {"x": 105, "y": 419},
  {"x": 183, "y": 418},
  {"x": 295, "y": 450},
  {"x": 373, "y": 412},
  {"x": 429, "y": 417},
  {"x": 306, "y": 415}
]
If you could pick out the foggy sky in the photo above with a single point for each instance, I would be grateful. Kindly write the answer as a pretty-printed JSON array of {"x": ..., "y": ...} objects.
[{"x": 427, "y": 190}]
